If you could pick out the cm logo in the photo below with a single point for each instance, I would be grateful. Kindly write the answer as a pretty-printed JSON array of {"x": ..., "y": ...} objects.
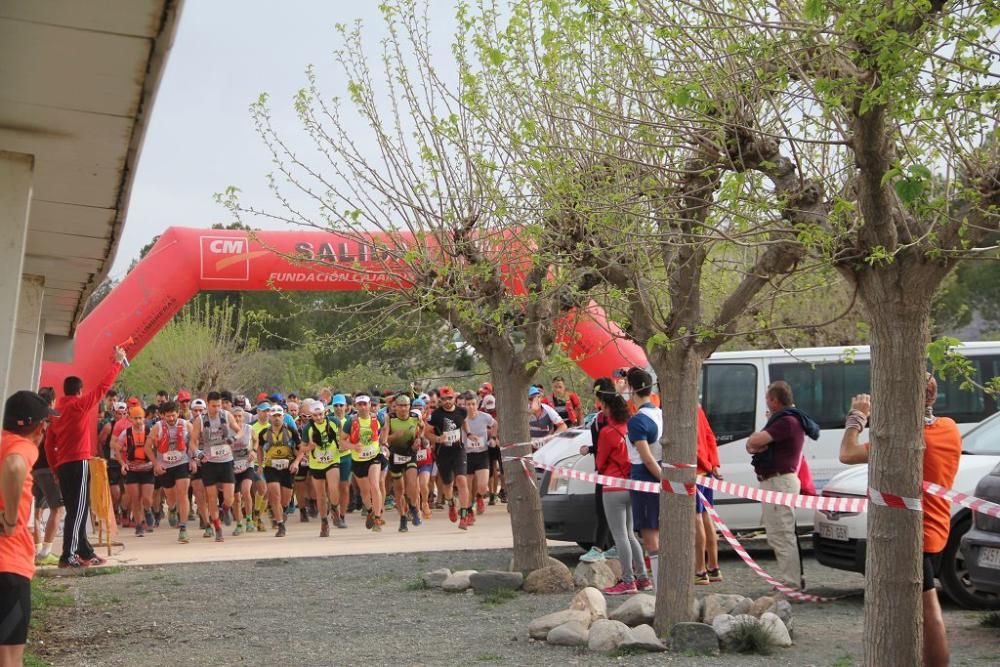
[{"x": 225, "y": 258}]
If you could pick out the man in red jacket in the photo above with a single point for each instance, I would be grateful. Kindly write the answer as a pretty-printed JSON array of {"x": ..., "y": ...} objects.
[{"x": 69, "y": 446}]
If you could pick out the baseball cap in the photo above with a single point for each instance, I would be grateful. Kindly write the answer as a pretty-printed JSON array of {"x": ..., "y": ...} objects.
[
  {"x": 25, "y": 408},
  {"x": 419, "y": 402},
  {"x": 446, "y": 391},
  {"x": 263, "y": 406},
  {"x": 262, "y": 396},
  {"x": 361, "y": 398},
  {"x": 403, "y": 399},
  {"x": 136, "y": 411},
  {"x": 317, "y": 409},
  {"x": 198, "y": 403},
  {"x": 277, "y": 410},
  {"x": 184, "y": 396},
  {"x": 533, "y": 391},
  {"x": 133, "y": 401},
  {"x": 339, "y": 399},
  {"x": 276, "y": 397},
  {"x": 120, "y": 407},
  {"x": 489, "y": 403},
  {"x": 486, "y": 388}
]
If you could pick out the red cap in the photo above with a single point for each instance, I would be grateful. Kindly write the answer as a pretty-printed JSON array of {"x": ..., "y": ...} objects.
[
  {"x": 485, "y": 388},
  {"x": 183, "y": 395},
  {"x": 133, "y": 401},
  {"x": 445, "y": 391},
  {"x": 262, "y": 396}
]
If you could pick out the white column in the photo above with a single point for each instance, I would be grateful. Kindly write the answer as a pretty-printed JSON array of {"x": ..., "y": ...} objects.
[
  {"x": 15, "y": 202},
  {"x": 24, "y": 363}
]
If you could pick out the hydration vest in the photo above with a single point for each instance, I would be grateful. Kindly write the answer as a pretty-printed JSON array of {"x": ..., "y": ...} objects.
[
  {"x": 131, "y": 450},
  {"x": 164, "y": 444},
  {"x": 355, "y": 436}
]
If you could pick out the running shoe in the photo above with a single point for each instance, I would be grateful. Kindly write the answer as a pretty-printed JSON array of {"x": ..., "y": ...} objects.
[
  {"x": 471, "y": 516},
  {"x": 324, "y": 529},
  {"x": 172, "y": 518},
  {"x": 313, "y": 509},
  {"x": 390, "y": 503},
  {"x": 701, "y": 579},
  {"x": 463, "y": 523},
  {"x": 369, "y": 520},
  {"x": 139, "y": 532},
  {"x": 281, "y": 530},
  {"x": 595, "y": 555},
  {"x": 47, "y": 560},
  {"x": 377, "y": 526},
  {"x": 227, "y": 518},
  {"x": 191, "y": 515},
  {"x": 402, "y": 525},
  {"x": 149, "y": 518},
  {"x": 303, "y": 515},
  {"x": 610, "y": 553},
  {"x": 493, "y": 500},
  {"x": 208, "y": 532},
  {"x": 644, "y": 584},
  {"x": 182, "y": 536},
  {"x": 248, "y": 526},
  {"x": 218, "y": 535},
  {"x": 714, "y": 575},
  {"x": 621, "y": 588},
  {"x": 480, "y": 505},
  {"x": 94, "y": 561},
  {"x": 238, "y": 530},
  {"x": 157, "y": 516},
  {"x": 503, "y": 495},
  {"x": 439, "y": 504},
  {"x": 72, "y": 563},
  {"x": 341, "y": 522},
  {"x": 453, "y": 513},
  {"x": 414, "y": 516},
  {"x": 291, "y": 507}
]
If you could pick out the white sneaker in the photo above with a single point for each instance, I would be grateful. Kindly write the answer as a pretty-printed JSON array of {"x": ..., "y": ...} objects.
[{"x": 595, "y": 555}]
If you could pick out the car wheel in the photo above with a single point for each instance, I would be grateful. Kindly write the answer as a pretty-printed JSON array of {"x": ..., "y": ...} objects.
[{"x": 954, "y": 575}]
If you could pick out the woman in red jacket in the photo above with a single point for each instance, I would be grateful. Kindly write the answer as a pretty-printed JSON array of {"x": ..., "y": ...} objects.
[{"x": 612, "y": 460}]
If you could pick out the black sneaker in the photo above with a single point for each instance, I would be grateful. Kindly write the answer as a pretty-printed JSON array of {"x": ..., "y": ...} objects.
[
  {"x": 503, "y": 495},
  {"x": 493, "y": 500},
  {"x": 281, "y": 530},
  {"x": 402, "y": 525}
]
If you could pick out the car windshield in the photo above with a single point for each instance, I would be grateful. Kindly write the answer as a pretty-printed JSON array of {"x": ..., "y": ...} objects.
[{"x": 984, "y": 438}]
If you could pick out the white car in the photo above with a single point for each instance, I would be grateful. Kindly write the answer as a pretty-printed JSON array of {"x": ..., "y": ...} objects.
[{"x": 840, "y": 538}]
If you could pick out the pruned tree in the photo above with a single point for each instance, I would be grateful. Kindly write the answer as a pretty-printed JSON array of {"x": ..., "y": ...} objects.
[{"x": 460, "y": 234}]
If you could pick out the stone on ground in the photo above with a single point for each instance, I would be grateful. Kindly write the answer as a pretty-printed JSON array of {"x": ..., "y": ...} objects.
[
  {"x": 616, "y": 566},
  {"x": 607, "y": 635},
  {"x": 644, "y": 638},
  {"x": 724, "y": 624},
  {"x": 435, "y": 578},
  {"x": 591, "y": 601},
  {"x": 540, "y": 627},
  {"x": 716, "y": 604},
  {"x": 573, "y": 633},
  {"x": 776, "y": 629},
  {"x": 554, "y": 578},
  {"x": 742, "y": 607},
  {"x": 493, "y": 580},
  {"x": 458, "y": 581},
  {"x": 638, "y": 609},
  {"x": 783, "y": 609},
  {"x": 763, "y": 604},
  {"x": 696, "y": 638},
  {"x": 598, "y": 575}
]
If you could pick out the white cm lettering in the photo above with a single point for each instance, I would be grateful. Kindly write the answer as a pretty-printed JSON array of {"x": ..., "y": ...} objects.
[{"x": 226, "y": 246}]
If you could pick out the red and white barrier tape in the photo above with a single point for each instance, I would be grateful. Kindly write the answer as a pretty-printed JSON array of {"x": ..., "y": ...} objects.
[
  {"x": 678, "y": 488},
  {"x": 854, "y": 505},
  {"x": 894, "y": 501},
  {"x": 965, "y": 500},
  {"x": 753, "y": 565}
]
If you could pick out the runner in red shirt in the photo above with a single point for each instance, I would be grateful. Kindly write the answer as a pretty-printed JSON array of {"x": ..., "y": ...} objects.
[{"x": 25, "y": 417}]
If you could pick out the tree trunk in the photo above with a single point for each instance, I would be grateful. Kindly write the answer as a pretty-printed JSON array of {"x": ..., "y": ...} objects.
[
  {"x": 893, "y": 631},
  {"x": 510, "y": 385},
  {"x": 675, "y": 590}
]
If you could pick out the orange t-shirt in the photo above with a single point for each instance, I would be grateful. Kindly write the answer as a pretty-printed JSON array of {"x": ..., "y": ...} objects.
[
  {"x": 942, "y": 452},
  {"x": 17, "y": 551}
]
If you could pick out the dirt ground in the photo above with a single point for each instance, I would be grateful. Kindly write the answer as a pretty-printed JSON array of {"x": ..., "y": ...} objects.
[{"x": 368, "y": 610}]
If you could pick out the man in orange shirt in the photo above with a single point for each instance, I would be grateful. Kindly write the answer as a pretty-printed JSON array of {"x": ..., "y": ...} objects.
[
  {"x": 25, "y": 418},
  {"x": 942, "y": 452}
]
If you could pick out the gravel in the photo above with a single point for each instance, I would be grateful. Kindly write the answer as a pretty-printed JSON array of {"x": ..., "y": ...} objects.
[{"x": 372, "y": 610}]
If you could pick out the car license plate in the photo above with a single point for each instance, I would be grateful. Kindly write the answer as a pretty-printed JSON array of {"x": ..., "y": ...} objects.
[
  {"x": 989, "y": 557},
  {"x": 832, "y": 531}
]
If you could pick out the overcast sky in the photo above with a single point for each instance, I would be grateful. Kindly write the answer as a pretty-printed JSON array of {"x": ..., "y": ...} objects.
[{"x": 200, "y": 138}]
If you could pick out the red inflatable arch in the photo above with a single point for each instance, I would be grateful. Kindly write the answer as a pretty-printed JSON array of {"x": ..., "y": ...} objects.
[{"x": 185, "y": 261}]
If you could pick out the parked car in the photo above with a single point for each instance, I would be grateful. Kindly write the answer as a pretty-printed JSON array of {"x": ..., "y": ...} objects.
[
  {"x": 840, "y": 538},
  {"x": 980, "y": 546}
]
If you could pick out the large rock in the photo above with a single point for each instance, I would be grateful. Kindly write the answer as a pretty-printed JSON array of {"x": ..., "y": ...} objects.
[
  {"x": 762, "y": 605},
  {"x": 598, "y": 575},
  {"x": 783, "y": 608},
  {"x": 553, "y": 578},
  {"x": 697, "y": 638},
  {"x": 607, "y": 635},
  {"x": 458, "y": 581},
  {"x": 573, "y": 633},
  {"x": 776, "y": 629},
  {"x": 615, "y": 566},
  {"x": 696, "y": 603},
  {"x": 638, "y": 609},
  {"x": 435, "y": 578},
  {"x": 716, "y": 604},
  {"x": 644, "y": 638},
  {"x": 743, "y": 606},
  {"x": 724, "y": 624},
  {"x": 591, "y": 601},
  {"x": 540, "y": 627},
  {"x": 493, "y": 580}
]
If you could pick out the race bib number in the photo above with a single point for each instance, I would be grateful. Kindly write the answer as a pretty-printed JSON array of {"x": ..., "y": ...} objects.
[
  {"x": 452, "y": 437},
  {"x": 400, "y": 459},
  {"x": 241, "y": 466},
  {"x": 370, "y": 451},
  {"x": 323, "y": 457},
  {"x": 422, "y": 455},
  {"x": 475, "y": 446},
  {"x": 280, "y": 464},
  {"x": 221, "y": 451},
  {"x": 173, "y": 456}
]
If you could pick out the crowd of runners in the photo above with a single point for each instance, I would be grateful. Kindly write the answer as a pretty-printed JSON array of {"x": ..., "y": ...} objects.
[{"x": 233, "y": 466}]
